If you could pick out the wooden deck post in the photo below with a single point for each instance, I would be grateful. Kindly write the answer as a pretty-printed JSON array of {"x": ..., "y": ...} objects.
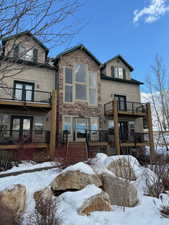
[
  {"x": 150, "y": 131},
  {"x": 116, "y": 127},
  {"x": 53, "y": 124}
]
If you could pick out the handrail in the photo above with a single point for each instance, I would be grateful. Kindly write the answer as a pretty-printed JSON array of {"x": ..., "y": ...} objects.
[{"x": 11, "y": 88}]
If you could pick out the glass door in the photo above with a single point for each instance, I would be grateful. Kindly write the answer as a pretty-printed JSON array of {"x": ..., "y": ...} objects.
[
  {"x": 21, "y": 128},
  {"x": 81, "y": 125},
  {"x": 123, "y": 131},
  {"x": 122, "y": 105}
]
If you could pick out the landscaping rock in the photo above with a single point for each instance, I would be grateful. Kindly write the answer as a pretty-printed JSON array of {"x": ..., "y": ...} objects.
[
  {"x": 121, "y": 192},
  {"x": 121, "y": 166},
  {"x": 14, "y": 199},
  {"x": 75, "y": 177},
  {"x": 85, "y": 201}
]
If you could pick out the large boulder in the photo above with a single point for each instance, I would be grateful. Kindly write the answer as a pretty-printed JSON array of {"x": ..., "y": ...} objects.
[
  {"x": 124, "y": 166},
  {"x": 13, "y": 200},
  {"x": 121, "y": 192},
  {"x": 85, "y": 201},
  {"x": 75, "y": 177}
]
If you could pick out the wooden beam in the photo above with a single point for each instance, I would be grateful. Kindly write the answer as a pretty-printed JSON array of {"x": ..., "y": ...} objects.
[
  {"x": 53, "y": 125},
  {"x": 24, "y": 104},
  {"x": 134, "y": 144},
  {"x": 150, "y": 131},
  {"x": 24, "y": 146},
  {"x": 116, "y": 127}
]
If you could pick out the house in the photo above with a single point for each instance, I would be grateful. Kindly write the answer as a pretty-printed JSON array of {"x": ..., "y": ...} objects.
[{"x": 76, "y": 100}]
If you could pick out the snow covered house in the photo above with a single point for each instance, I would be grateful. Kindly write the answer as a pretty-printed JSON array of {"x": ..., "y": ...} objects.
[{"x": 75, "y": 102}]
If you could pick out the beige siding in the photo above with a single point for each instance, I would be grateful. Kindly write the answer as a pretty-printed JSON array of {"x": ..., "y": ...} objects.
[
  {"x": 110, "y": 88},
  {"x": 43, "y": 79}
]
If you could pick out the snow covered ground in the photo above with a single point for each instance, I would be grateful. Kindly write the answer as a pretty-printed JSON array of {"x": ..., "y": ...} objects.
[{"x": 145, "y": 213}]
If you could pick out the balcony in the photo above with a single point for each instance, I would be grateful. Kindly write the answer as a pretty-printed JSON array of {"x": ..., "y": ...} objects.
[
  {"x": 13, "y": 139},
  {"x": 24, "y": 97},
  {"x": 125, "y": 108}
]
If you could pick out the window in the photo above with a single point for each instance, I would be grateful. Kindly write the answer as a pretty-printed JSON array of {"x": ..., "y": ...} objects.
[
  {"x": 67, "y": 124},
  {"x": 16, "y": 51},
  {"x": 35, "y": 55},
  {"x": 94, "y": 123},
  {"x": 92, "y": 88},
  {"x": 118, "y": 72},
  {"x": 68, "y": 85},
  {"x": 23, "y": 91},
  {"x": 122, "y": 106},
  {"x": 39, "y": 124},
  {"x": 80, "y": 82}
]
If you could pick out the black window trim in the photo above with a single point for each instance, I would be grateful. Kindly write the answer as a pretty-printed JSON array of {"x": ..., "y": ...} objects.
[{"x": 23, "y": 92}]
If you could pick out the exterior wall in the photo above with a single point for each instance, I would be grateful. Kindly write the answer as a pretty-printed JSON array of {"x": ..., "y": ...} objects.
[
  {"x": 43, "y": 79},
  {"x": 77, "y": 108},
  {"x": 29, "y": 43},
  {"x": 116, "y": 63},
  {"x": 110, "y": 88}
]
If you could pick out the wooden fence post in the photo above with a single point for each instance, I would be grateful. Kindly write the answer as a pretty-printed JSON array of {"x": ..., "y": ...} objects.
[
  {"x": 116, "y": 127},
  {"x": 53, "y": 124}
]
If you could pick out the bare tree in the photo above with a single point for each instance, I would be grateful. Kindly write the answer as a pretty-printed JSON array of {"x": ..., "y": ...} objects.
[
  {"x": 159, "y": 96},
  {"x": 50, "y": 21}
]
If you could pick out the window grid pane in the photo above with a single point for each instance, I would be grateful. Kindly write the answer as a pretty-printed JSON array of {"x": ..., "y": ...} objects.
[
  {"x": 80, "y": 73},
  {"x": 81, "y": 92},
  {"x": 68, "y": 93}
]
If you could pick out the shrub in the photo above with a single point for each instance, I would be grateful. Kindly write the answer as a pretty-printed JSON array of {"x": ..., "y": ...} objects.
[
  {"x": 45, "y": 213},
  {"x": 164, "y": 205}
]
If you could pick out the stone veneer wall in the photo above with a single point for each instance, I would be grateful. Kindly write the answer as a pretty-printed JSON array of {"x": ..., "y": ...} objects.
[{"x": 79, "y": 109}]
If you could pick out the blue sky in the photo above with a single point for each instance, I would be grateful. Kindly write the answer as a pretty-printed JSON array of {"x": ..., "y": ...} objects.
[{"x": 113, "y": 28}]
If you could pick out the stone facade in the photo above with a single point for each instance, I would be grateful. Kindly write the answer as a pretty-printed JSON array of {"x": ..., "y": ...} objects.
[{"x": 77, "y": 108}]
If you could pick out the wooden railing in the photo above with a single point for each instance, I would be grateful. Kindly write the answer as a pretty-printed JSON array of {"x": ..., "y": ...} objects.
[
  {"x": 26, "y": 95},
  {"x": 125, "y": 106}
]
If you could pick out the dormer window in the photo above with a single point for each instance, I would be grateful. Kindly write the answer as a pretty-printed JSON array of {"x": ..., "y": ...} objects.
[
  {"x": 25, "y": 53},
  {"x": 118, "y": 72}
]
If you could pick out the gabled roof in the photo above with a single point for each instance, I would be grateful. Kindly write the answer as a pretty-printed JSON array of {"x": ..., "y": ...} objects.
[
  {"x": 25, "y": 33},
  {"x": 122, "y": 59},
  {"x": 82, "y": 47}
]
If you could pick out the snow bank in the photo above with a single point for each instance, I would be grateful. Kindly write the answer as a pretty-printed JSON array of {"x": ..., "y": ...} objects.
[
  {"x": 82, "y": 167},
  {"x": 76, "y": 199},
  {"x": 29, "y": 165}
]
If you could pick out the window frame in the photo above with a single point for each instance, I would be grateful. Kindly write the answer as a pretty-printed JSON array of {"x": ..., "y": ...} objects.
[
  {"x": 116, "y": 70},
  {"x": 23, "y": 90},
  {"x": 86, "y": 84},
  {"x": 71, "y": 121},
  {"x": 92, "y": 88},
  {"x": 68, "y": 84}
]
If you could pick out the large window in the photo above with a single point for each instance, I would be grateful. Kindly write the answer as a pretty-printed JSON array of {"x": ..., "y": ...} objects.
[
  {"x": 29, "y": 54},
  {"x": 81, "y": 82},
  {"x": 118, "y": 72},
  {"x": 68, "y": 85},
  {"x": 92, "y": 88}
]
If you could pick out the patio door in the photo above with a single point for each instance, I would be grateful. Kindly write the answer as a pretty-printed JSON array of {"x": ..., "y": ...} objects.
[
  {"x": 80, "y": 127},
  {"x": 21, "y": 128},
  {"x": 123, "y": 131},
  {"x": 23, "y": 91}
]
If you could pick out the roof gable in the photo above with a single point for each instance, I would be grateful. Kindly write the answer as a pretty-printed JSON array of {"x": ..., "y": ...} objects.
[
  {"x": 81, "y": 47},
  {"x": 122, "y": 59},
  {"x": 25, "y": 33}
]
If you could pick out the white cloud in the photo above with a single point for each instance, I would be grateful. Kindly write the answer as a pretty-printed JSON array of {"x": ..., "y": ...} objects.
[{"x": 153, "y": 12}]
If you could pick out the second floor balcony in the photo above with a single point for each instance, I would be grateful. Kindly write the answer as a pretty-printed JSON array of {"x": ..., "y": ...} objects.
[
  {"x": 24, "y": 96},
  {"x": 125, "y": 108}
]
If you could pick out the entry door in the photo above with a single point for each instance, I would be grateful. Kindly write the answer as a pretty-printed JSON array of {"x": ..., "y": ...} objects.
[
  {"x": 21, "y": 128},
  {"x": 80, "y": 127},
  {"x": 123, "y": 130},
  {"x": 121, "y": 100},
  {"x": 23, "y": 91}
]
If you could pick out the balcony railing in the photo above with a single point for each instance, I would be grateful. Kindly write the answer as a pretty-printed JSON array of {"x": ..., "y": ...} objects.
[
  {"x": 13, "y": 137},
  {"x": 125, "y": 106},
  {"x": 26, "y": 95},
  {"x": 97, "y": 136},
  {"x": 135, "y": 138}
]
